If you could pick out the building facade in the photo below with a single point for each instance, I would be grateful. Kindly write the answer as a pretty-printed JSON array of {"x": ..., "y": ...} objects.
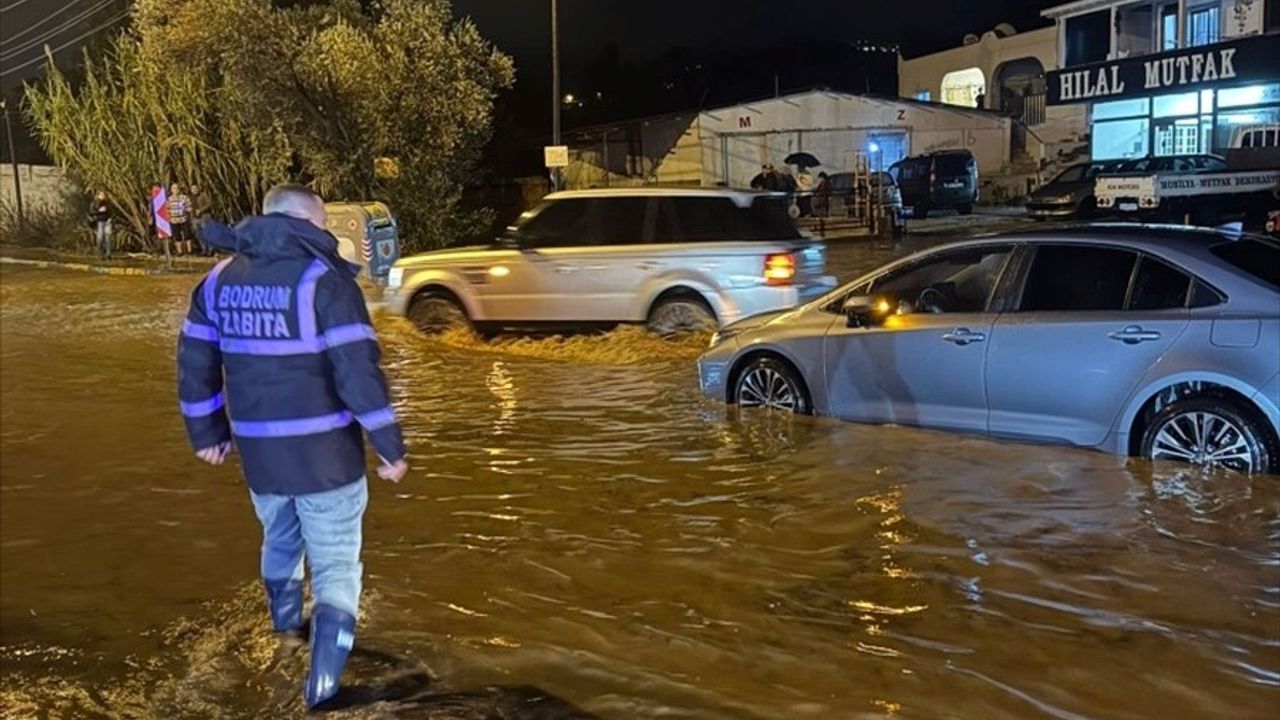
[
  {"x": 1169, "y": 77},
  {"x": 1005, "y": 71},
  {"x": 727, "y": 146}
]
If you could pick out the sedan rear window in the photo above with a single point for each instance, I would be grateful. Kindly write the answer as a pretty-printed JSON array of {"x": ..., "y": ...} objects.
[{"x": 1255, "y": 257}]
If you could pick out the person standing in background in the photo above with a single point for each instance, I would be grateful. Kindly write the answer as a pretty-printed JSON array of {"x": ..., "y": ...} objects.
[
  {"x": 804, "y": 192},
  {"x": 180, "y": 220},
  {"x": 100, "y": 220}
]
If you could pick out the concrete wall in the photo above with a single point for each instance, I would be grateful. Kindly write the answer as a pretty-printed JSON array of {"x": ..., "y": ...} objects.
[
  {"x": 988, "y": 54},
  {"x": 42, "y": 186},
  {"x": 667, "y": 152}
]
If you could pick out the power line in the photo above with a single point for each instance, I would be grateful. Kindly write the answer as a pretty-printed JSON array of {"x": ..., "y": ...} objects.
[
  {"x": 12, "y": 5},
  {"x": 69, "y": 43},
  {"x": 51, "y": 34},
  {"x": 36, "y": 25}
]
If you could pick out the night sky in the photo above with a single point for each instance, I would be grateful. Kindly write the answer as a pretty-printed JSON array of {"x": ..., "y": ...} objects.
[{"x": 641, "y": 30}]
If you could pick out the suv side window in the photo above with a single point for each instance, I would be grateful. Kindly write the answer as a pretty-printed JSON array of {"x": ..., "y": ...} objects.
[
  {"x": 617, "y": 221},
  {"x": 960, "y": 281},
  {"x": 1077, "y": 277},
  {"x": 1156, "y": 286},
  {"x": 696, "y": 219},
  {"x": 560, "y": 223}
]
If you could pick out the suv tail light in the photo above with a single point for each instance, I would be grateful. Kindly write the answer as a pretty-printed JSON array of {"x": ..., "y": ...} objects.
[{"x": 780, "y": 268}]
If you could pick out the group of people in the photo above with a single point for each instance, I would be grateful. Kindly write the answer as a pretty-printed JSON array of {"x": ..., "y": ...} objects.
[
  {"x": 184, "y": 211},
  {"x": 801, "y": 186}
]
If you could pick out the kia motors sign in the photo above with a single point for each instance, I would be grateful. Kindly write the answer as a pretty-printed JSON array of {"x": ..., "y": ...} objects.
[{"x": 1235, "y": 62}]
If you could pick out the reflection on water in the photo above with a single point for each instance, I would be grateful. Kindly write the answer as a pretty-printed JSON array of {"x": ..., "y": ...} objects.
[{"x": 583, "y": 534}]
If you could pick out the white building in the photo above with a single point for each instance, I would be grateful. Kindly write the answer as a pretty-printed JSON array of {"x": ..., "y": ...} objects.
[
  {"x": 1167, "y": 77},
  {"x": 727, "y": 146},
  {"x": 1004, "y": 71}
]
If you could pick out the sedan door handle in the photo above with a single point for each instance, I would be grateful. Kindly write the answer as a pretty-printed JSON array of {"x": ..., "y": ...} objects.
[
  {"x": 649, "y": 265},
  {"x": 964, "y": 336},
  {"x": 1134, "y": 334}
]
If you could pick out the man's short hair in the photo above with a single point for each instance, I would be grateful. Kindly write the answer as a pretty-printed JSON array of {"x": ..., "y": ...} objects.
[{"x": 290, "y": 199}]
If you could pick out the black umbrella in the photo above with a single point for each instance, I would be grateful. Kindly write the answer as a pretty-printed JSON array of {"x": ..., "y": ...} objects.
[{"x": 802, "y": 159}]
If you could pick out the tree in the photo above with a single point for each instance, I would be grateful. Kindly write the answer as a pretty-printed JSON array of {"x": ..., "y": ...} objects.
[{"x": 325, "y": 94}]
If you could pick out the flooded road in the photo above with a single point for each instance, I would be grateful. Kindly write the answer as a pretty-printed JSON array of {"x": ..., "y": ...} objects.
[{"x": 583, "y": 535}]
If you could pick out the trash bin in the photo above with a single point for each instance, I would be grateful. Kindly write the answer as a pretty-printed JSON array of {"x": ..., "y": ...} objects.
[{"x": 367, "y": 234}]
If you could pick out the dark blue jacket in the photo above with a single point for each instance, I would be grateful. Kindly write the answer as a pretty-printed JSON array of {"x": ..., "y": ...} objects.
[{"x": 279, "y": 336}]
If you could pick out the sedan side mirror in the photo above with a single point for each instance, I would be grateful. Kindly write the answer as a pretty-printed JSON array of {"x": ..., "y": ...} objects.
[{"x": 866, "y": 310}]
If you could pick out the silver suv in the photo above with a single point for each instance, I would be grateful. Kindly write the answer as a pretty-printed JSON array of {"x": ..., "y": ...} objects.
[{"x": 675, "y": 259}]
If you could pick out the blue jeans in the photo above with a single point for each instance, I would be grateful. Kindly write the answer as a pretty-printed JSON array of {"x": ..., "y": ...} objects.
[{"x": 325, "y": 528}]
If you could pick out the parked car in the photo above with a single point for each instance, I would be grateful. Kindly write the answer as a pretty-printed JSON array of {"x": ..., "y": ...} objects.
[
  {"x": 1070, "y": 194},
  {"x": 846, "y": 189},
  {"x": 675, "y": 259},
  {"x": 1154, "y": 341},
  {"x": 948, "y": 178}
]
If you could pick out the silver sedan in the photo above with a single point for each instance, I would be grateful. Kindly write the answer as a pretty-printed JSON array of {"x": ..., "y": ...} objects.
[{"x": 1154, "y": 341}]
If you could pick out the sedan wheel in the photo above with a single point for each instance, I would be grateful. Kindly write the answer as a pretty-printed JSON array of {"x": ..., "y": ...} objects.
[
  {"x": 771, "y": 384},
  {"x": 1209, "y": 432}
]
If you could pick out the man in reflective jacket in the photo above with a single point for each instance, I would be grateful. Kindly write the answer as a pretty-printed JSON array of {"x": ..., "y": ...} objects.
[{"x": 278, "y": 354}]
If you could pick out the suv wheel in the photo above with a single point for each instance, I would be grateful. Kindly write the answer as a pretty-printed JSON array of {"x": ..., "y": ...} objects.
[
  {"x": 772, "y": 384},
  {"x": 436, "y": 312},
  {"x": 681, "y": 314},
  {"x": 1211, "y": 431},
  {"x": 964, "y": 209}
]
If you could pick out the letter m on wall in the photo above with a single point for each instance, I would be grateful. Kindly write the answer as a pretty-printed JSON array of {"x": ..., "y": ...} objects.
[{"x": 744, "y": 121}]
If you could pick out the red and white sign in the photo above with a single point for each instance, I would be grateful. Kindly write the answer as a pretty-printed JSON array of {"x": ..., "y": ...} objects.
[{"x": 160, "y": 210}]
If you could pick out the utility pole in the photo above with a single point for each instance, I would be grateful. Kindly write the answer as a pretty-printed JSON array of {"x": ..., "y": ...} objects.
[
  {"x": 17, "y": 176},
  {"x": 555, "y": 84}
]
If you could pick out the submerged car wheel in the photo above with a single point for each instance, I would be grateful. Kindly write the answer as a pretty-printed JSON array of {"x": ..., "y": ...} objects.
[
  {"x": 773, "y": 384},
  {"x": 1210, "y": 432},
  {"x": 436, "y": 312},
  {"x": 681, "y": 314}
]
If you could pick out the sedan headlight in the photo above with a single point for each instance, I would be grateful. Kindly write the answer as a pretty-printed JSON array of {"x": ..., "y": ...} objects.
[{"x": 395, "y": 278}]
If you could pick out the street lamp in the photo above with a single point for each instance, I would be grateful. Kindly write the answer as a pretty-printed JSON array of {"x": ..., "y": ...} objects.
[
  {"x": 555, "y": 84},
  {"x": 17, "y": 176}
]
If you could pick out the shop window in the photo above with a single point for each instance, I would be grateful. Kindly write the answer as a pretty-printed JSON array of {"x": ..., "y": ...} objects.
[
  {"x": 962, "y": 87},
  {"x": 1121, "y": 109},
  {"x": 1251, "y": 95},
  {"x": 1178, "y": 137},
  {"x": 1234, "y": 127},
  {"x": 1120, "y": 139},
  {"x": 1203, "y": 25},
  {"x": 1174, "y": 105}
]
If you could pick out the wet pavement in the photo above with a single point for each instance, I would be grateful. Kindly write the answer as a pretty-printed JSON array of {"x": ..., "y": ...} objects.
[{"x": 583, "y": 535}]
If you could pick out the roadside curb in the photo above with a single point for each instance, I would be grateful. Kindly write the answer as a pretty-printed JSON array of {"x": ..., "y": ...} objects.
[{"x": 99, "y": 269}]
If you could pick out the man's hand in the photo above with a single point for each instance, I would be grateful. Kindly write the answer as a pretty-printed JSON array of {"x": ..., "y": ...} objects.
[
  {"x": 395, "y": 471},
  {"x": 215, "y": 454}
]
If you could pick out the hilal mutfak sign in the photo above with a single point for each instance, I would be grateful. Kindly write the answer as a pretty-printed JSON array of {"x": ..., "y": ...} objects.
[{"x": 1239, "y": 61}]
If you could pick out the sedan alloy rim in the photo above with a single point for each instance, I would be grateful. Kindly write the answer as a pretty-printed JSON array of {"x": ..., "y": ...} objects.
[
  {"x": 1204, "y": 438},
  {"x": 767, "y": 388}
]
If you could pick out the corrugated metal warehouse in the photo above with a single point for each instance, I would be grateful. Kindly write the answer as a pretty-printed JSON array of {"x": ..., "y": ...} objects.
[{"x": 727, "y": 146}]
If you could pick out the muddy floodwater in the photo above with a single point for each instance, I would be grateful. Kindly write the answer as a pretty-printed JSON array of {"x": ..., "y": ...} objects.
[{"x": 582, "y": 535}]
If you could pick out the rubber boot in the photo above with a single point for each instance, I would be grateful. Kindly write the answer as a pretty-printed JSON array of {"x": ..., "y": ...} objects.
[
  {"x": 284, "y": 600},
  {"x": 333, "y": 633}
]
